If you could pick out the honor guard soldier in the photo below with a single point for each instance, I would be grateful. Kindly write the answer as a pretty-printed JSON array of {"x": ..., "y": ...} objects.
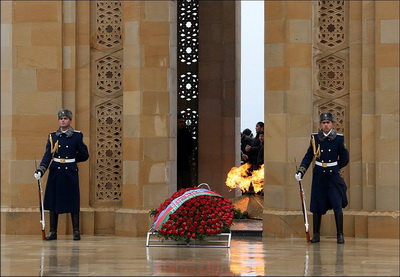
[
  {"x": 64, "y": 149},
  {"x": 328, "y": 189}
]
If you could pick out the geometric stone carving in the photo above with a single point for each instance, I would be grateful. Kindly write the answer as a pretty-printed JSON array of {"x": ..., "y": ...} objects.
[
  {"x": 108, "y": 152},
  {"x": 106, "y": 100},
  {"x": 330, "y": 55},
  {"x": 108, "y": 24},
  {"x": 188, "y": 31},
  {"x": 188, "y": 86},
  {"x": 108, "y": 75},
  {"x": 331, "y": 76},
  {"x": 331, "y": 23}
]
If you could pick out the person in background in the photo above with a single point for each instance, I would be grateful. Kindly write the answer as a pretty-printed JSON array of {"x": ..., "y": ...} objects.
[
  {"x": 257, "y": 152},
  {"x": 246, "y": 139},
  {"x": 259, "y": 128},
  {"x": 256, "y": 143},
  {"x": 185, "y": 146},
  {"x": 328, "y": 190},
  {"x": 64, "y": 149}
]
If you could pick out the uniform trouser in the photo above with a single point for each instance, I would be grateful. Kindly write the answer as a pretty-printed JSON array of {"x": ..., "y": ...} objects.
[
  {"x": 75, "y": 221},
  {"x": 53, "y": 221}
]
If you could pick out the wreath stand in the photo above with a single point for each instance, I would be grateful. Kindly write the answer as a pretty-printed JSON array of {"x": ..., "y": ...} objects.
[{"x": 222, "y": 240}]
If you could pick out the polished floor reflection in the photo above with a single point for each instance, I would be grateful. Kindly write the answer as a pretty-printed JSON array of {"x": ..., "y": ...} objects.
[{"x": 247, "y": 256}]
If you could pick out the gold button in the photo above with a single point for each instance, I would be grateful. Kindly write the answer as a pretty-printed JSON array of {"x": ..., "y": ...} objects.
[
  {"x": 330, "y": 160},
  {"x": 66, "y": 146},
  {"x": 66, "y": 157},
  {"x": 59, "y": 157},
  {"x": 67, "y": 167},
  {"x": 331, "y": 170},
  {"x": 322, "y": 161},
  {"x": 322, "y": 150},
  {"x": 329, "y": 150},
  {"x": 58, "y": 167},
  {"x": 59, "y": 145},
  {"x": 323, "y": 171}
]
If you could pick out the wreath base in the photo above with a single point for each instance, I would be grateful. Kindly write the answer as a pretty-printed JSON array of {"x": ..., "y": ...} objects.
[{"x": 222, "y": 240}]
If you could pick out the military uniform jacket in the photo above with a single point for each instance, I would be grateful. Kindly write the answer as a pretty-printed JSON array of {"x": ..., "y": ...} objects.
[
  {"x": 328, "y": 189},
  {"x": 62, "y": 188}
]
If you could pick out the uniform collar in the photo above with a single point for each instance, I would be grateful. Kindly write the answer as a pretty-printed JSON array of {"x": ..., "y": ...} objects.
[
  {"x": 331, "y": 136},
  {"x": 68, "y": 133}
]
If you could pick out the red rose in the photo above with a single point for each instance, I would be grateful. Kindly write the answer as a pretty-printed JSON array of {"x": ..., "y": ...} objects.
[{"x": 196, "y": 218}]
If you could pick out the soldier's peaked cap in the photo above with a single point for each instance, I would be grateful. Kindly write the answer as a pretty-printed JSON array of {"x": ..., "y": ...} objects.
[
  {"x": 64, "y": 112},
  {"x": 326, "y": 116}
]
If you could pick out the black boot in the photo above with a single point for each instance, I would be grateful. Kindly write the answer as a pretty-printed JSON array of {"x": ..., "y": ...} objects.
[
  {"x": 316, "y": 227},
  {"x": 53, "y": 226},
  {"x": 339, "y": 227},
  {"x": 75, "y": 226}
]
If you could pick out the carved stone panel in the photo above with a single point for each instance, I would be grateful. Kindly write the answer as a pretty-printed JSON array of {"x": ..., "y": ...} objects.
[
  {"x": 108, "y": 75},
  {"x": 108, "y": 24},
  {"x": 108, "y": 151},
  {"x": 331, "y": 24},
  {"x": 332, "y": 76},
  {"x": 330, "y": 60},
  {"x": 106, "y": 102}
]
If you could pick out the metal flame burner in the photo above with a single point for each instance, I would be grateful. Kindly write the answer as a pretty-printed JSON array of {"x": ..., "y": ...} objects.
[{"x": 251, "y": 203}]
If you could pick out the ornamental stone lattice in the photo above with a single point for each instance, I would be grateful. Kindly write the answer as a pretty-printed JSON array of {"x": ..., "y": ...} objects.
[
  {"x": 108, "y": 23},
  {"x": 106, "y": 100},
  {"x": 331, "y": 23},
  {"x": 331, "y": 93}
]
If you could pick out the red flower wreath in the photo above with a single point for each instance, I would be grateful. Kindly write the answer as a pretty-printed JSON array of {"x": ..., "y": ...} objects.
[{"x": 197, "y": 218}]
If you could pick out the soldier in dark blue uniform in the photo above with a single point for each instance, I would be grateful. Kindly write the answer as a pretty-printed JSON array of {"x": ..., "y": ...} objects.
[
  {"x": 64, "y": 149},
  {"x": 328, "y": 187}
]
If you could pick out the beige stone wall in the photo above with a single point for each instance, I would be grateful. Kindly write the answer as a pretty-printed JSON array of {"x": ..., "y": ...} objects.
[
  {"x": 32, "y": 63},
  {"x": 147, "y": 114},
  {"x": 217, "y": 94},
  {"x": 288, "y": 98},
  {"x": 387, "y": 104},
  {"x": 372, "y": 135}
]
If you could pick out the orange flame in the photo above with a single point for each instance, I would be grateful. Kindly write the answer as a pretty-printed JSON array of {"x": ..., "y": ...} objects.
[{"x": 240, "y": 177}]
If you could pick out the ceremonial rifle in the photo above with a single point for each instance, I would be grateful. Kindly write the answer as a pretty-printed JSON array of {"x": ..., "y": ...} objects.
[
  {"x": 304, "y": 208},
  {"x": 41, "y": 206}
]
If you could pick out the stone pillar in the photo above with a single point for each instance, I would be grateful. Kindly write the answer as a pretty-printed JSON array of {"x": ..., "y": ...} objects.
[
  {"x": 32, "y": 68},
  {"x": 288, "y": 104},
  {"x": 147, "y": 115},
  {"x": 217, "y": 94},
  {"x": 367, "y": 59}
]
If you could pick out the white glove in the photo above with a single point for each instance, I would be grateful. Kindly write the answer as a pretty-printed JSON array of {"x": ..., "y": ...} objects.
[
  {"x": 298, "y": 176},
  {"x": 37, "y": 175}
]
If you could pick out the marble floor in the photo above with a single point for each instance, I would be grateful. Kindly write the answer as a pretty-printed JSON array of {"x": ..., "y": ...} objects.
[{"x": 247, "y": 256}]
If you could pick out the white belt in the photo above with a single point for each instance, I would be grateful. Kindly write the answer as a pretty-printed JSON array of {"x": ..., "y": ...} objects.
[
  {"x": 64, "y": 160},
  {"x": 325, "y": 164}
]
